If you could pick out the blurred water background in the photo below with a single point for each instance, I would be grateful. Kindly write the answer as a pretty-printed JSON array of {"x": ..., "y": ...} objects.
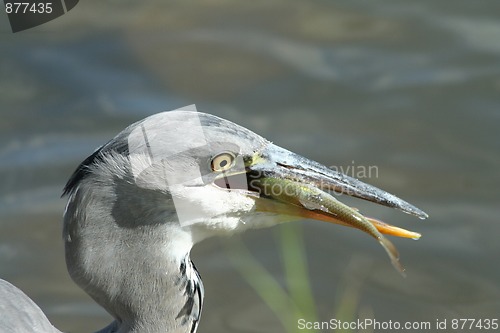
[{"x": 412, "y": 88}]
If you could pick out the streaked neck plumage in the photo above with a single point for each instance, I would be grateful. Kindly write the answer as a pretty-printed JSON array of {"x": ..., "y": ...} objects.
[{"x": 124, "y": 248}]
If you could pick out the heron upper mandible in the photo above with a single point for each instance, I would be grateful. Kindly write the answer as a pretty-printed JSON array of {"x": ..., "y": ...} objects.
[{"x": 139, "y": 203}]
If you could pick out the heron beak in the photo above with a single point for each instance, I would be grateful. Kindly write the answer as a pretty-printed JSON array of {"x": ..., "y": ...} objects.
[
  {"x": 285, "y": 168},
  {"x": 293, "y": 185}
]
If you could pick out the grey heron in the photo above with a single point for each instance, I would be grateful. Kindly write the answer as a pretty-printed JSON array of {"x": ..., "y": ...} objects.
[{"x": 139, "y": 203}]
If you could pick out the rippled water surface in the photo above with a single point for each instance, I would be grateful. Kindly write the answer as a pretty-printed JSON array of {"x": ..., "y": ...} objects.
[{"x": 412, "y": 88}]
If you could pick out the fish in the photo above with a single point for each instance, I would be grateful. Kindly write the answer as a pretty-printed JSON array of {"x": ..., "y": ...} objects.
[{"x": 322, "y": 205}]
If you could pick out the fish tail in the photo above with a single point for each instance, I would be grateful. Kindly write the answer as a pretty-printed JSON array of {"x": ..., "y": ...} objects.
[{"x": 393, "y": 254}]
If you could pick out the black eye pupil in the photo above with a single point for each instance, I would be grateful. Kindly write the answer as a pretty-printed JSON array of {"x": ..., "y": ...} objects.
[{"x": 223, "y": 163}]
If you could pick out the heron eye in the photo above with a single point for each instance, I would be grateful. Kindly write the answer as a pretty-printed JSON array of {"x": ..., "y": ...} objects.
[{"x": 222, "y": 162}]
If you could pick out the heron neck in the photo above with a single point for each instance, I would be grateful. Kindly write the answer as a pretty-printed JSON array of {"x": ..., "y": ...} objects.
[{"x": 135, "y": 266}]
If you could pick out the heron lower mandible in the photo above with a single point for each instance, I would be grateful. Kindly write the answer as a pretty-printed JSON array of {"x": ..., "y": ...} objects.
[{"x": 139, "y": 203}]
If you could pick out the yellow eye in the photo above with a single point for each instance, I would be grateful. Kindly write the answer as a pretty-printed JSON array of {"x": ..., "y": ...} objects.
[{"x": 222, "y": 162}]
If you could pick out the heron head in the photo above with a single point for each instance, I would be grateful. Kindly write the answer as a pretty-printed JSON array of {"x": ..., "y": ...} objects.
[{"x": 210, "y": 176}]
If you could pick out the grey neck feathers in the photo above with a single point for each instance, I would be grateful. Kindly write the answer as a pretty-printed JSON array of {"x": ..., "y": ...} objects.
[{"x": 128, "y": 252}]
